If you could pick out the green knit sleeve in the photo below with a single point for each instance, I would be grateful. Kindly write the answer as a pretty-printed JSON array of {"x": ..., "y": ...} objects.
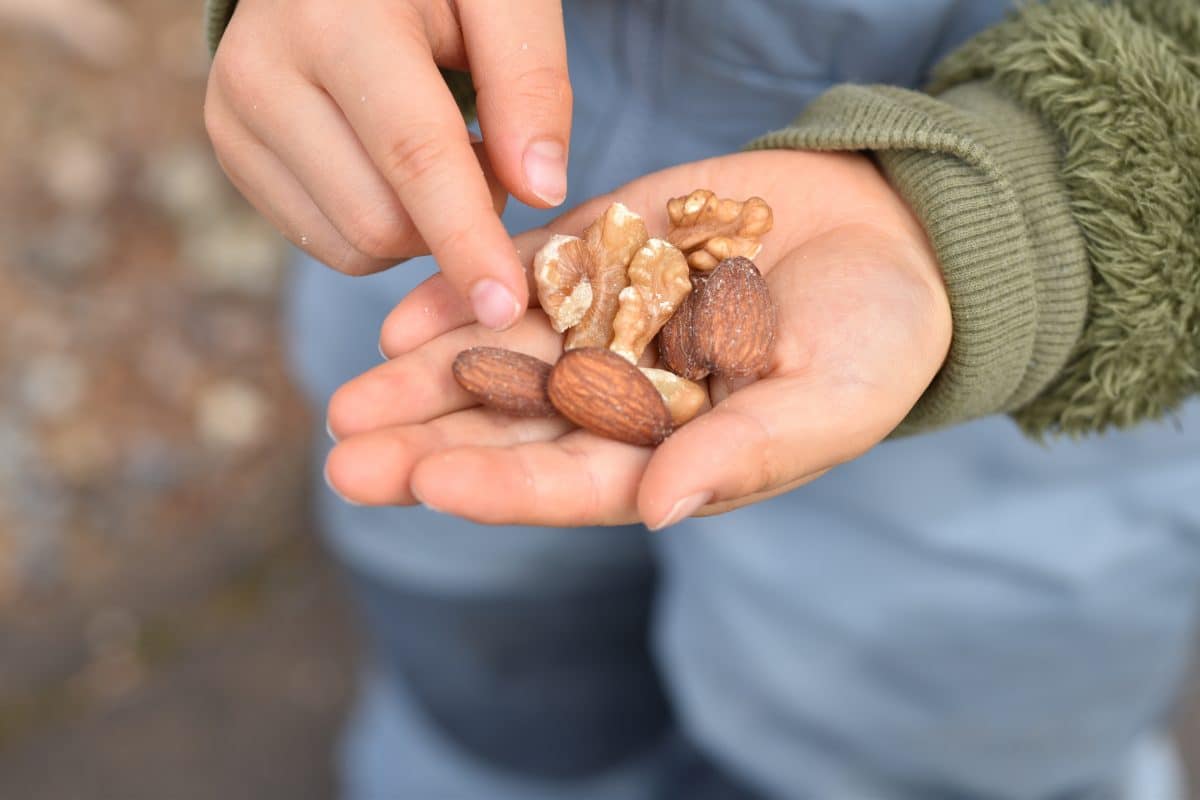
[
  {"x": 217, "y": 14},
  {"x": 1055, "y": 163}
]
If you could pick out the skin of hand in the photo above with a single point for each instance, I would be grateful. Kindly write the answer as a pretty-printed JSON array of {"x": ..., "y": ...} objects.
[
  {"x": 337, "y": 125},
  {"x": 864, "y": 325}
]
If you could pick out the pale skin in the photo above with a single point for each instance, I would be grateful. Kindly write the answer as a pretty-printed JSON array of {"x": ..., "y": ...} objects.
[{"x": 362, "y": 170}]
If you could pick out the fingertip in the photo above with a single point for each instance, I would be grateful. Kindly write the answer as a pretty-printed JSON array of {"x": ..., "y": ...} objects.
[
  {"x": 545, "y": 167},
  {"x": 495, "y": 305},
  {"x": 678, "y": 511},
  {"x": 333, "y": 487}
]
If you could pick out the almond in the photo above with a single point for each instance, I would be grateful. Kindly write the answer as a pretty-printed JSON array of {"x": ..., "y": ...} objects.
[
  {"x": 505, "y": 380},
  {"x": 599, "y": 390},
  {"x": 725, "y": 327},
  {"x": 675, "y": 346},
  {"x": 733, "y": 323}
]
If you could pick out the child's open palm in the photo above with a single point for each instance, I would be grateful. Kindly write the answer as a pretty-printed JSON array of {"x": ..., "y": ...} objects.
[{"x": 864, "y": 325}]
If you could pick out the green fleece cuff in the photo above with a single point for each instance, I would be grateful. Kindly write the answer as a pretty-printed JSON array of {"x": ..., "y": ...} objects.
[
  {"x": 980, "y": 172},
  {"x": 1057, "y": 172},
  {"x": 1119, "y": 83},
  {"x": 216, "y": 16}
]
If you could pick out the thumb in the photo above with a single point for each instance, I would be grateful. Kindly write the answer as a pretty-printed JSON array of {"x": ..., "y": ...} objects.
[{"x": 766, "y": 438}]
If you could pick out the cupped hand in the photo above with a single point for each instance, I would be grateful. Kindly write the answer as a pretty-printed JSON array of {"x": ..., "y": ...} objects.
[
  {"x": 864, "y": 325},
  {"x": 335, "y": 122}
]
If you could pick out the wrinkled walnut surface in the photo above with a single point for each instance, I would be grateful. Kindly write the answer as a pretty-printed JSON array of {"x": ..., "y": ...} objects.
[
  {"x": 709, "y": 229},
  {"x": 612, "y": 239},
  {"x": 658, "y": 282}
]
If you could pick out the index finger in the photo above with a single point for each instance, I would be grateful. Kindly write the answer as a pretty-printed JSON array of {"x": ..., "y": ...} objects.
[{"x": 415, "y": 135}]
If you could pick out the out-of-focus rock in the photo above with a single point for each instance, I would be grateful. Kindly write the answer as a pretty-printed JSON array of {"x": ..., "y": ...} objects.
[
  {"x": 92, "y": 30},
  {"x": 234, "y": 332},
  {"x": 169, "y": 368},
  {"x": 186, "y": 182},
  {"x": 53, "y": 385},
  {"x": 34, "y": 330},
  {"x": 82, "y": 453},
  {"x": 239, "y": 254},
  {"x": 180, "y": 50},
  {"x": 231, "y": 415},
  {"x": 153, "y": 465},
  {"x": 68, "y": 248},
  {"x": 78, "y": 172}
]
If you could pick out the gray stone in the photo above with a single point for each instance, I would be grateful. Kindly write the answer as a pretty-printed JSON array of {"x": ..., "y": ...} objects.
[
  {"x": 53, "y": 385},
  {"x": 231, "y": 415}
]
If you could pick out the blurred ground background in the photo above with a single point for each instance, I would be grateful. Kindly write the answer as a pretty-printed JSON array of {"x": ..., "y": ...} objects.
[{"x": 169, "y": 627}]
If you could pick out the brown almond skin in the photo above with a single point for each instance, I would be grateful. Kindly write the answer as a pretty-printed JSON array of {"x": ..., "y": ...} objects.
[
  {"x": 676, "y": 345},
  {"x": 599, "y": 390},
  {"x": 733, "y": 323},
  {"x": 505, "y": 380}
]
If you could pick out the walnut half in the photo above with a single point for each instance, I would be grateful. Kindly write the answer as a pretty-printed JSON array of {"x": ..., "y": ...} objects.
[
  {"x": 710, "y": 230},
  {"x": 658, "y": 283},
  {"x": 579, "y": 280}
]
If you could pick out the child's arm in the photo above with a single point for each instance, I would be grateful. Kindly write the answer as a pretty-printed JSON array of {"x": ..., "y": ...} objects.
[{"x": 336, "y": 123}]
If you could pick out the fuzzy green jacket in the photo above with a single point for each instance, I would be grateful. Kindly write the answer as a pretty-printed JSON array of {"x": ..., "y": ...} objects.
[{"x": 1055, "y": 163}]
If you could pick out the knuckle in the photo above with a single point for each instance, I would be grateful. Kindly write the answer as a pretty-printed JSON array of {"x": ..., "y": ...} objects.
[
  {"x": 543, "y": 86},
  {"x": 379, "y": 233},
  {"x": 349, "y": 261},
  {"x": 456, "y": 240},
  {"x": 414, "y": 158}
]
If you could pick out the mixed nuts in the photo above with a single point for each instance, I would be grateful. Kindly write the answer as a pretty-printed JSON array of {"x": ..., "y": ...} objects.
[{"x": 611, "y": 292}]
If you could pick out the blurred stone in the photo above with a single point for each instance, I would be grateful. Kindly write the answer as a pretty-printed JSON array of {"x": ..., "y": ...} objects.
[
  {"x": 236, "y": 333},
  {"x": 113, "y": 674},
  {"x": 180, "y": 48},
  {"x": 53, "y": 385},
  {"x": 92, "y": 30},
  {"x": 111, "y": 628},
  {"x": 78, "y": 172},
  {"x": 16, "y": 448},
  {"x": 169, "y": 367},
  {"x": 152, "y": 464},
  {"x": 82, "y": 454},
  {"x": 186, "y": 182},
  {"x": 241, "y": 255},
  {"x": 34, "y": 330},
  {"x": 231, "y": 415},
  {"x": 37, "y": 545},
  {"x": 68, "y": 247}
]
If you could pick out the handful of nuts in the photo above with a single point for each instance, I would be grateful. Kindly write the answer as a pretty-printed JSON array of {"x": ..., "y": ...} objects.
[{"x": 614, "y": 289}]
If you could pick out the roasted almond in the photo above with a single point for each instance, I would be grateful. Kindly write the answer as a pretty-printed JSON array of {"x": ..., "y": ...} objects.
[
  {"x": 599, "y": 390},
  {"x": 505, "y": 380},
  {"x": 733, "y": 322},
  {"x": 725, "y": 326},
  {"x": 675, "y": 342}
]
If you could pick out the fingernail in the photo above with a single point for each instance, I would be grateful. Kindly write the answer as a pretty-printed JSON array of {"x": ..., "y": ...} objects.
[
  {"x": 546, "y": 170},
  {"x": 682, "y": 510},
  {"x": 494, "y": 305},
  {"x": 382, "y": 354},
  {"x": 329, "y": 431},
  {"x": 333, "y": 489}
]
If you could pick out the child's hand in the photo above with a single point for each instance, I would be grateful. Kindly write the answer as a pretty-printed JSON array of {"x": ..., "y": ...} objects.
[
  {"x": 864, "y": 325},
  {"x": 333, "y": 119}
]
